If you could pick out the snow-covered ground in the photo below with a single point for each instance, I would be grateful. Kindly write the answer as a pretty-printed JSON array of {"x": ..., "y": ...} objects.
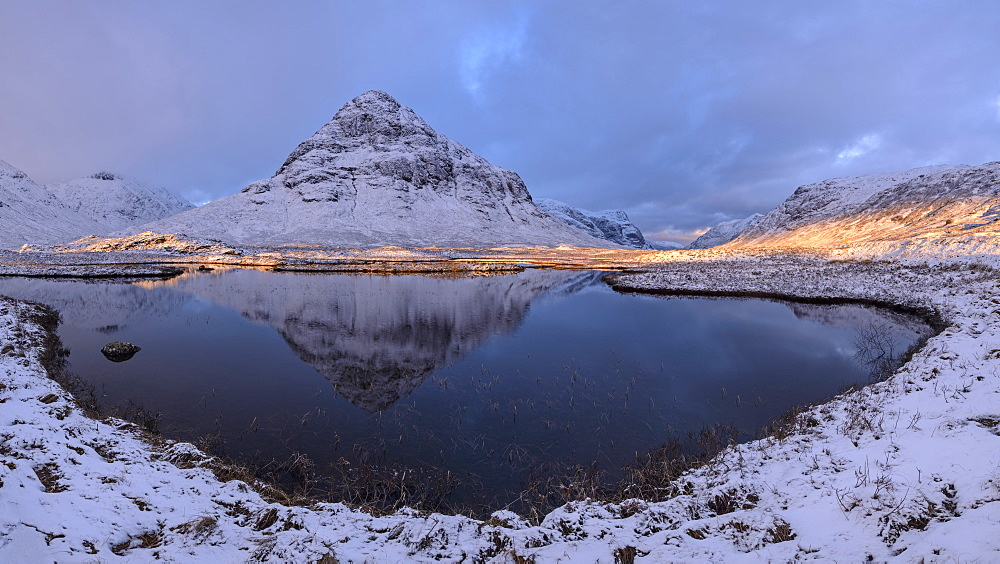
[{"x": 904, "y": 470}]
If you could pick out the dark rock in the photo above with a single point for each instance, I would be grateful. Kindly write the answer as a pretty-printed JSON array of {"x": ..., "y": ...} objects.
[{"x": 119, "y": 351}]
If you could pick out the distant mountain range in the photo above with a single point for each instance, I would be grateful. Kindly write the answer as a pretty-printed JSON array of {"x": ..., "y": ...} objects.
[
  {"x": 613, "y": 225},
  {"x": 939, "y": 210},
  {"x": 31, "y": 214},
  {"x": 117, "y": 202},
  {"x": 724, "y": 232},
  {"x": 58, "y": 213},
  {"x": 377, "y": 174}
]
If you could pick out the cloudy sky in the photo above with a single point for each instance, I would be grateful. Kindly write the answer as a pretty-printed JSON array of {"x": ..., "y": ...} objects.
[{"x": 681, "y": 113}]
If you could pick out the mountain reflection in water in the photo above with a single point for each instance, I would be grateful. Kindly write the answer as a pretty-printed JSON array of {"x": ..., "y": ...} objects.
[
  {"x": 377, "y": 338},
  {"x": 487, "y": 378}
]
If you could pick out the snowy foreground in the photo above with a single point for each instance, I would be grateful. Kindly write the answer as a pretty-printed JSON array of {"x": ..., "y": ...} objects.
[{"x": 904, "y": 470}]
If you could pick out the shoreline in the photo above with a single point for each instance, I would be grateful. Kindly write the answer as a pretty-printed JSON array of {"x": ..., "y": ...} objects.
[{"x": 856, "y": 486}]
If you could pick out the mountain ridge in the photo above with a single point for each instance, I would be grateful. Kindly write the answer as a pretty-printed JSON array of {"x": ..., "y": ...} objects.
[
  {"x": 724, "y": 232},
  {"x": 939, "y": 204},
  {"x": 377, "y": 174},
  {"x": 31, "y": 214},
  {"x": 117, "y": 201},
  {"x": 613, "y": 225}
]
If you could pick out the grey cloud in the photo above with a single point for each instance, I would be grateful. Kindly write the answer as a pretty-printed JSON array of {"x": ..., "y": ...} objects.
[{"x": 684, "y": 115}]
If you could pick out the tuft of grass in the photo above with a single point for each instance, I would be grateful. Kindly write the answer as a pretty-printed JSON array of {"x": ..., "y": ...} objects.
[
  {"x": 626, "y": 554},
  {"x": 781, "y": 532},
  {"x": 697, "y": 534},
  {"x": 266, "y": 519},
  {"x": 730, "y": 501},
  {"x": 149, "y": 539},
  {"x": 49, "y": 476},
  {"x": 653, "y": 476}
]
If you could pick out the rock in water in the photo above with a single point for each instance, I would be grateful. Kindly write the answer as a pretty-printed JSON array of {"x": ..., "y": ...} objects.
[
  {"x": 119, "y": 351},
  {"x": 378, "y": 175}
]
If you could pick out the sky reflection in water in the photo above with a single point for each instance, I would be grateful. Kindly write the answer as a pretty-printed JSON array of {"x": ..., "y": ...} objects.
[{"x": 486, "y": 377}]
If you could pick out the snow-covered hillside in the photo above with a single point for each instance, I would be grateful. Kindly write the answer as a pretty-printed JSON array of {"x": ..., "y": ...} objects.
[
  {"x": 117, "y": 202},
  {"x": 375, "y": 175},
  {"x": 665, "y": 245},
  {"x": 725, "y": 232},
  {"x": 937, "y": 206},
  {"x": 613, "y": 225},
  {"x": 31, "y": 214}
]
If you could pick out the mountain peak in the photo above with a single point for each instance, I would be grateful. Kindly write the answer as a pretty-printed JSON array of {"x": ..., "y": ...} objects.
[
  {"x": 104, "y": 175},
  {"x": 377, "y": 174},
  {"x": 373, "y": 119},
  {"x": 374, "y": 100},
  {"x": 377, "y": 118},
  {"x": 613, "y": 225}
]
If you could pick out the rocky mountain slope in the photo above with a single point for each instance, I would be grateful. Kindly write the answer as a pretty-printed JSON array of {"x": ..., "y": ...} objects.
[
  {"x": 117, "y": 202},
  {"x": 31, "y": 214},
  {"x": 375, "y": 175},
  {"x": 937, "y": 207},
  {"x": 725, "y": 232},
  {"x": 613, "y": 225}
]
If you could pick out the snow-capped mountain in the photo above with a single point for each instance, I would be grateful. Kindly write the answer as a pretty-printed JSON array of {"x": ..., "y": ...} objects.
[
  {"x": 31, "y": 214},
  {"x": 939, "y": 204},
  {"x": 724, "y": 232},
  {"x": 613, "y": 225},
  {"x": 117, "y": 202},
  {"x": 666, "y": 245},
  {"x": 375, "y": 175}
]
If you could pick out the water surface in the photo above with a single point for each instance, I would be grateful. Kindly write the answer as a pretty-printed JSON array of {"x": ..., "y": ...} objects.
[{"x": 488, "y": 379}]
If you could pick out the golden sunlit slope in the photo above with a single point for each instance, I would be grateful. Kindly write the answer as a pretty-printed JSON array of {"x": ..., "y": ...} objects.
[{"x": 933, "y": 208}]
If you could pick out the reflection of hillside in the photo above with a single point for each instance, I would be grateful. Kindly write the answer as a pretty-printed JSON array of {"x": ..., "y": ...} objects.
[
  {"x": 376, "y": 338},
  {"x": 856, "y": 317},
  {"x": 93, "y": 305}
]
